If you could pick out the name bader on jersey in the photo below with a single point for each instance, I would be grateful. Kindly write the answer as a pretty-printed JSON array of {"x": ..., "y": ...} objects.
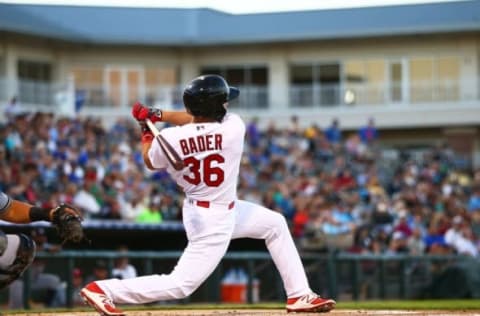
[{"x": 201, "y": 143}]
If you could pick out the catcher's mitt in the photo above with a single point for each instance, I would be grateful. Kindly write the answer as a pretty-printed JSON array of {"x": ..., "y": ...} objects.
[{"x": 67, "y": 220}]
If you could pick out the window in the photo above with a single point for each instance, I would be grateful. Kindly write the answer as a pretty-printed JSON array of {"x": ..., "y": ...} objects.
[
  {"x": 34, "y": 70},
  {"x": 448, "y": 79},
  {"x": 364, "y": 81},
  {"x": 301, "y": 75},
  {"x": 434, "y": 79},
  {"x": 238, "y": 75},
  {"x": 315, "y": 84},
  {"x": 161, "y": 87},
  {"x": 252, "y": 82},
  {"x": 421, "y": 78},
  {"x": 259, "y": 76},
  {"x": 89, "y": 85},
  {"x": 396, "y": 81},
  {"x": 328, "y": 76},
  {"x": 212, "y": 71},
  {"x": 34, "y": 85}
]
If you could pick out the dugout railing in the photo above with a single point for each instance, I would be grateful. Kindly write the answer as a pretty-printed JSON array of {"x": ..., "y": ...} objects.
[{"x": 343, "y": 276}]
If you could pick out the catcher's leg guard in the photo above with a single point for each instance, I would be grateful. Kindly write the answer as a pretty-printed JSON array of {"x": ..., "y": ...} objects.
[
  {"x": 17, "y": 255},
  {"x": 3, "y": 243}
]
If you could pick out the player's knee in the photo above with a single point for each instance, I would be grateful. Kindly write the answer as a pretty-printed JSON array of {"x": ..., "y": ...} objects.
[
  {"x": 188, "y": 287},
  {"x": 17, "y": 256},
  {"x": 278, "y": 225}
]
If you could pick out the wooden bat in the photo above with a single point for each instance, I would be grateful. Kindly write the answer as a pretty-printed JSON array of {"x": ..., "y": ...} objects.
[{"x": 168, "y": 150}]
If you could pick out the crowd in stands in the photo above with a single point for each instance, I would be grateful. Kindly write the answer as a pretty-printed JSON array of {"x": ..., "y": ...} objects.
[{"x": 335, "y": 189}]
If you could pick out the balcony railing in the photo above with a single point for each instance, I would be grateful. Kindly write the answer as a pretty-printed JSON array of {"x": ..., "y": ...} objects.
[
  {"x": 95, "y": 96},
  {"x": 426, "y": 91}
]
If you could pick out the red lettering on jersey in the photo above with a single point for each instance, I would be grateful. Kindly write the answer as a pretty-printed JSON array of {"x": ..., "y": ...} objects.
[
  {"x": 218, "y": 141},
  {"x": 193, "y": 146},
  {"x": 209, "y": 142},
  {"x": 201, "y": 143},
  {"x": 183, "y": 145}
]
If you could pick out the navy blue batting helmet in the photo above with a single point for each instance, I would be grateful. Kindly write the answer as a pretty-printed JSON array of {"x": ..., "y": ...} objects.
[{"x": 206, "y": 96}]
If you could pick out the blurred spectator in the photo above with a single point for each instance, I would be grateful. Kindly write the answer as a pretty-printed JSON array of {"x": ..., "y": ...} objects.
[
  {"x": 252, "y": 133},
  {"x": 397, "y": 244},
  {"x": 474, "y": 201},
  {"x": 122, "y": 268},
  {"x": 12, "y": 108},
  {"x": 321, "y": 184},
  {"x": 47, "y": 288},
  {"x": 369, "y": 133},
  {"x": 416, "y": 244},
  {"x": 333, "y": 133},
  {"x": 77, "y": 285},
  {"x": 459, "y": 237},
  {"x": 150, "y": 214},
  {"x": 86, "y": 201},
  {"x": 99, "y": 272}
]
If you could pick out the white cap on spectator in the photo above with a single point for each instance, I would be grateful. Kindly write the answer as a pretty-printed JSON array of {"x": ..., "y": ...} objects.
[
  {"x": 457, "y": 219},
  {"x": 397, "y": 235}
]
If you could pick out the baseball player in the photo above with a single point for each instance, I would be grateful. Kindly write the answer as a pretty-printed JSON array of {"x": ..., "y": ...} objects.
[
  {"x": 17, "y": 251},
  {"x": 210, "y": 142}
]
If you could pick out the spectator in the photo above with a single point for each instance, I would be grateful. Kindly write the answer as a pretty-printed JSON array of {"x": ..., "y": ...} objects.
[
  {"x": 416, "y": 245},
  {"x": 252, "y": 133},
  {"x": 86, "y": 201},
  {"x": 474, "y": 201},
  {"x": 459, "y": 238},
  {"x": 12, "y": 109},
  {"x": 122, "y": 268},
  {"x": 99, "y": 271},
  {"x": 397, "y": 244},
  {"x": 369, "y": 133},
  {"x": 150, "y": 214},
  {"x": 333, "y": 133},
  {"x": 51, "y": 159},
  {"x": 77, "y": 284}
]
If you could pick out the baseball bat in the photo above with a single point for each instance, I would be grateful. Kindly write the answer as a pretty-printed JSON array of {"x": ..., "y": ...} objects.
[{"x": 168, "y": 150}]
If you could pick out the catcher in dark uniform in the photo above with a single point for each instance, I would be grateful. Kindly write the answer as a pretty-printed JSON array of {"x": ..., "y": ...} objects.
[{"x": 18, "y": 250}]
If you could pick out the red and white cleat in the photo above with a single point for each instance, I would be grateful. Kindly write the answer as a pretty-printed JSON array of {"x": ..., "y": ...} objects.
[
  {"x": 94, "y": 296},
  {"x": 310, "y": 303}
]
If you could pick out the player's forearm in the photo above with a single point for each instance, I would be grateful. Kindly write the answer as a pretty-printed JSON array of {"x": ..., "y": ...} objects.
[
  {"x": 145, "y": 148},
  {"x": 176, "y": 117},
  {"x": 21, "y": 213}
]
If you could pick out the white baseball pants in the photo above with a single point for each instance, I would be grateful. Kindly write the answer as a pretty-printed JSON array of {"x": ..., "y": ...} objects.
[{"x": 209, "y": 231}]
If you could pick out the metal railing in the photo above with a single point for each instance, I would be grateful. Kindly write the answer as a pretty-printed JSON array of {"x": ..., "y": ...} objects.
[
  {"x": 425, "y": 91},
  {"x": 253, "y": 97},
  {"x": 31, "y": 95},
  {"x": 337, "y": 275}
]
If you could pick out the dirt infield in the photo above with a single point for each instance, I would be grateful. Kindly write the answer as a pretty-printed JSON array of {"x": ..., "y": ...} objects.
[{"x": 273, "y": 312}]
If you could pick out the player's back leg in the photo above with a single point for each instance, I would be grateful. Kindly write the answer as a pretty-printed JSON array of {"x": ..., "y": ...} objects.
[{"x": 255, "y": 221}]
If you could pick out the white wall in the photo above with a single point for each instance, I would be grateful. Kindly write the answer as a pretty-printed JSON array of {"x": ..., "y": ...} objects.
[{"x": 278, "y": 57}]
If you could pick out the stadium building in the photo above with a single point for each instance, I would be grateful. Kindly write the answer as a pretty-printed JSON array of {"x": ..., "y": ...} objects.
[{"x": 415, "y": 69}]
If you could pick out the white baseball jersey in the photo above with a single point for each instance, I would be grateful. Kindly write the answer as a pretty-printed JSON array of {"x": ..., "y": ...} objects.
[{"x": 212, "y": 154}]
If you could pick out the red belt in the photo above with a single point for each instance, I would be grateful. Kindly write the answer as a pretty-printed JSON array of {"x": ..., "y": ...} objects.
[{"x": 206, "y": 204}]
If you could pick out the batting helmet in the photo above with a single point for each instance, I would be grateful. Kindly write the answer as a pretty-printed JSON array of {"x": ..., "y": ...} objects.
[{"x": 206, "y": 96}]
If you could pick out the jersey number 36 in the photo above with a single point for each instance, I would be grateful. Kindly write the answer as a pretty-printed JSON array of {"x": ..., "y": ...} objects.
[{"x": 210, "y": 173}]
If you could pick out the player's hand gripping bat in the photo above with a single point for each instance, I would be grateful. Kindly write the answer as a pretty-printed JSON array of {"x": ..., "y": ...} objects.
[{"x": 168, "y": 150}]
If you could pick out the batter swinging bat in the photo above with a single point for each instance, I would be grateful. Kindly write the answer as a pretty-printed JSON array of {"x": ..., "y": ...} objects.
[{"x": 168, "y": 150}]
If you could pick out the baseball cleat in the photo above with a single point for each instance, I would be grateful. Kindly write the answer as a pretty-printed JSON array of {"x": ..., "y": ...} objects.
[
  {"x": 310, "y": 303},
  {"x": 94, "y": 296}
]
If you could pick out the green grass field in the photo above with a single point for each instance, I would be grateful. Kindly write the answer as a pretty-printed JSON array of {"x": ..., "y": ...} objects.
[{"x": 453, "y": 305}]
